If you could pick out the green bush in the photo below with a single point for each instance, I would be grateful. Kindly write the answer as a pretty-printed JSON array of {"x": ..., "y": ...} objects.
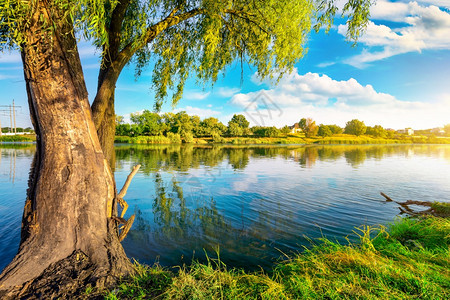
[
  {"x": 174, "y": 138},
  {"x": 15, "y": 138},
  {"x": 216, "y": 138},
  {"x": 122, "y": 139},
  {"x": 187, "y": 137}
]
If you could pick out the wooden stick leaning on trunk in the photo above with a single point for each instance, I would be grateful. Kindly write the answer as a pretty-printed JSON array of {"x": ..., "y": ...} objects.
[{"x": 127, "y": 223}]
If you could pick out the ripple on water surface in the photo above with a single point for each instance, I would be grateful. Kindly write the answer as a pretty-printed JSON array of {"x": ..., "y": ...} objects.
[{"x": 254, "y": 203}]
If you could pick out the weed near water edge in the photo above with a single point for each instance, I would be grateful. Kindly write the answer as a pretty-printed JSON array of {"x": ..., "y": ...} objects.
[{"x": 407, "y": 259}]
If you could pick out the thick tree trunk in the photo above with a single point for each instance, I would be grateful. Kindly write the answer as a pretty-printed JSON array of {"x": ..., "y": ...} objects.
[{"x": 67, "y": 215}]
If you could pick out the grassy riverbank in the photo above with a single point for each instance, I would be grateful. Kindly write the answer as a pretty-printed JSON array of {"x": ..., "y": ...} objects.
[
  {"x": 289, "y": 139},
  {"x": 18, "y": 138},
  {"x": 405, "y": 260}
]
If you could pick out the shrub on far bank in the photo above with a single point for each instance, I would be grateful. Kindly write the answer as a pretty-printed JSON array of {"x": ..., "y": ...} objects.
[
  {"x": 17, "y": 138},
  {"x": 171, "y": 138}
]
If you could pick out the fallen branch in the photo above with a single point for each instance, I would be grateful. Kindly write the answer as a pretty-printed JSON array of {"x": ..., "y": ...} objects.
[
  {"x": 405, "y": 209},
  {"x": 388, "y": 199}
]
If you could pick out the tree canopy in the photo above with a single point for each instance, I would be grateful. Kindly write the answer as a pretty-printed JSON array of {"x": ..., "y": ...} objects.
[
  {"x": 308, "y": 127},
  {"x": 355, "y": 127},
  {"x": 186, "y": 38}
]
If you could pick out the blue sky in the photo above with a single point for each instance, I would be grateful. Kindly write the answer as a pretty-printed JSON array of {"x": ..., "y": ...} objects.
[{"x": 398, "y": 76}]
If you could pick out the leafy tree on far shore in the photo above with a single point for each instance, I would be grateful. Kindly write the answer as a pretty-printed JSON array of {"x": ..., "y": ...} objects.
[
  {"x": 212, "y": 127},
  {"x": 308, "y": 126},
  {"x": 285, "y": 130},
  {"x": 238, "y": 125},
  {"x": 324, "y": 131},
  {"x": 376, "y": 131},
  {"x": 272, "y": 132},
  {"x": 240, "y": 120},
  {"x": 335, "y": 129},
  {"x": 148, "y": 122},
  {"x": 355, "y": 127},
  {"x": 234, "y": 129}
]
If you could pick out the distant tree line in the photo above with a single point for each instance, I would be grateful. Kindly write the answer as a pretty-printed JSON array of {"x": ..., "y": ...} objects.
[
  {"x": 189, "y": 127},
  {"x": 354, "y": 127},
  {"x": 18, "y": 129},
  {"x": 186, "y": 127}
]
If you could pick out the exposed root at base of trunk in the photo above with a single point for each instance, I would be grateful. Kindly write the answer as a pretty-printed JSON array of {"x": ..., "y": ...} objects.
[{"x": 66, "y": 279}]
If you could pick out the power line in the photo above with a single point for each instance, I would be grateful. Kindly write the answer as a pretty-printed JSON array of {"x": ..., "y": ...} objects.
[{"x": 12, "y": 115}]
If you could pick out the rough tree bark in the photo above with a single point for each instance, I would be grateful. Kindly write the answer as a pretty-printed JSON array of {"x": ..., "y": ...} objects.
[{"x": 67, "y": 229}]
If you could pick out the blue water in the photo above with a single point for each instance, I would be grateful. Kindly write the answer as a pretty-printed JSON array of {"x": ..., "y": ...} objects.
[{"x": 252, "y": 204}]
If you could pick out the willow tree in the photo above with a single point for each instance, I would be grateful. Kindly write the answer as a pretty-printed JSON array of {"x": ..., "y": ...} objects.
[
  {"x": 201, "y": 38},
  {"x": 70, "y": 213}
]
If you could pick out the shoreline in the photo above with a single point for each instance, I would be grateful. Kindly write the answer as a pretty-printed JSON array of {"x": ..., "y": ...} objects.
[
  {"x": 404, "y": 259},
  {"x": 288, "y": 140}
]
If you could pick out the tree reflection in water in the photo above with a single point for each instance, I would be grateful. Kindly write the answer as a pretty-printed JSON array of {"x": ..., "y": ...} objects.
[
  {"x": 179, "y": 228},
  {"x": 183, "y": 220},
  {"x": 186, "y": 200}
]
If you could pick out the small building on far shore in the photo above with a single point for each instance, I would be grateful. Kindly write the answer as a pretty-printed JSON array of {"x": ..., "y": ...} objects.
[
  {"x": 295, "y": 128},
  {"x": 437, "y": 130}
]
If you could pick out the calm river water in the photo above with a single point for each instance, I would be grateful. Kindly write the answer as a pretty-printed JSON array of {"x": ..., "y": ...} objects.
[{"x": 254, "y": 204}]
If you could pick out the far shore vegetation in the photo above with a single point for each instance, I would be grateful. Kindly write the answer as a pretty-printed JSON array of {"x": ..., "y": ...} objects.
[
  {"x": 407, "y": 259},
  {"x": 169, "y": 128}
]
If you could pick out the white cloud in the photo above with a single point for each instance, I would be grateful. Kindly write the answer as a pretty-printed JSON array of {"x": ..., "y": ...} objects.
[
  {"x": 3, "y": 77},
  {"x": 326, "y": 64},
  {"x": 10, "y": 57},
  {"x": 227, "y": 92},
  {"x": 331, "y": 101},
  {"x": 195, "y": 95},
  {"x": 441, "y": 3},
  {"x": 201, "y": 112},
  {"x": 419, "y": 28}
]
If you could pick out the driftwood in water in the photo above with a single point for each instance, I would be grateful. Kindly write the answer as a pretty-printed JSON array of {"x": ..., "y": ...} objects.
[{"x": 405, "y": 209}]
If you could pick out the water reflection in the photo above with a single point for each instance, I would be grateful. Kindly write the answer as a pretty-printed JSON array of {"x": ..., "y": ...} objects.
[
  {"x": 183, "y": 158},
  {"x": 252, "y": 202},
  {"x": 179, "y": 228},
  {"x": 15, "y": 161},
  {"x": 256, "y": 203},
  {"x": 8, "y": 158}
]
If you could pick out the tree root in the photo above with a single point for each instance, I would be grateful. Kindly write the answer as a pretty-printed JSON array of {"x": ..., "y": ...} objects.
[
  {"x": 123, "y": 230},
  {"x": 69, "y": 278}
]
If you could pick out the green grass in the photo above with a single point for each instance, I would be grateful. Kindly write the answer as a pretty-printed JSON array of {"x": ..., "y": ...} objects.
[
  {"x": 408, "y": 259},
  {"x": 441, "y": 209},
  {"x": 17, "y": 138},
  {"x": 290, "y": 139},
  {"x": 160, "y": 139}
]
